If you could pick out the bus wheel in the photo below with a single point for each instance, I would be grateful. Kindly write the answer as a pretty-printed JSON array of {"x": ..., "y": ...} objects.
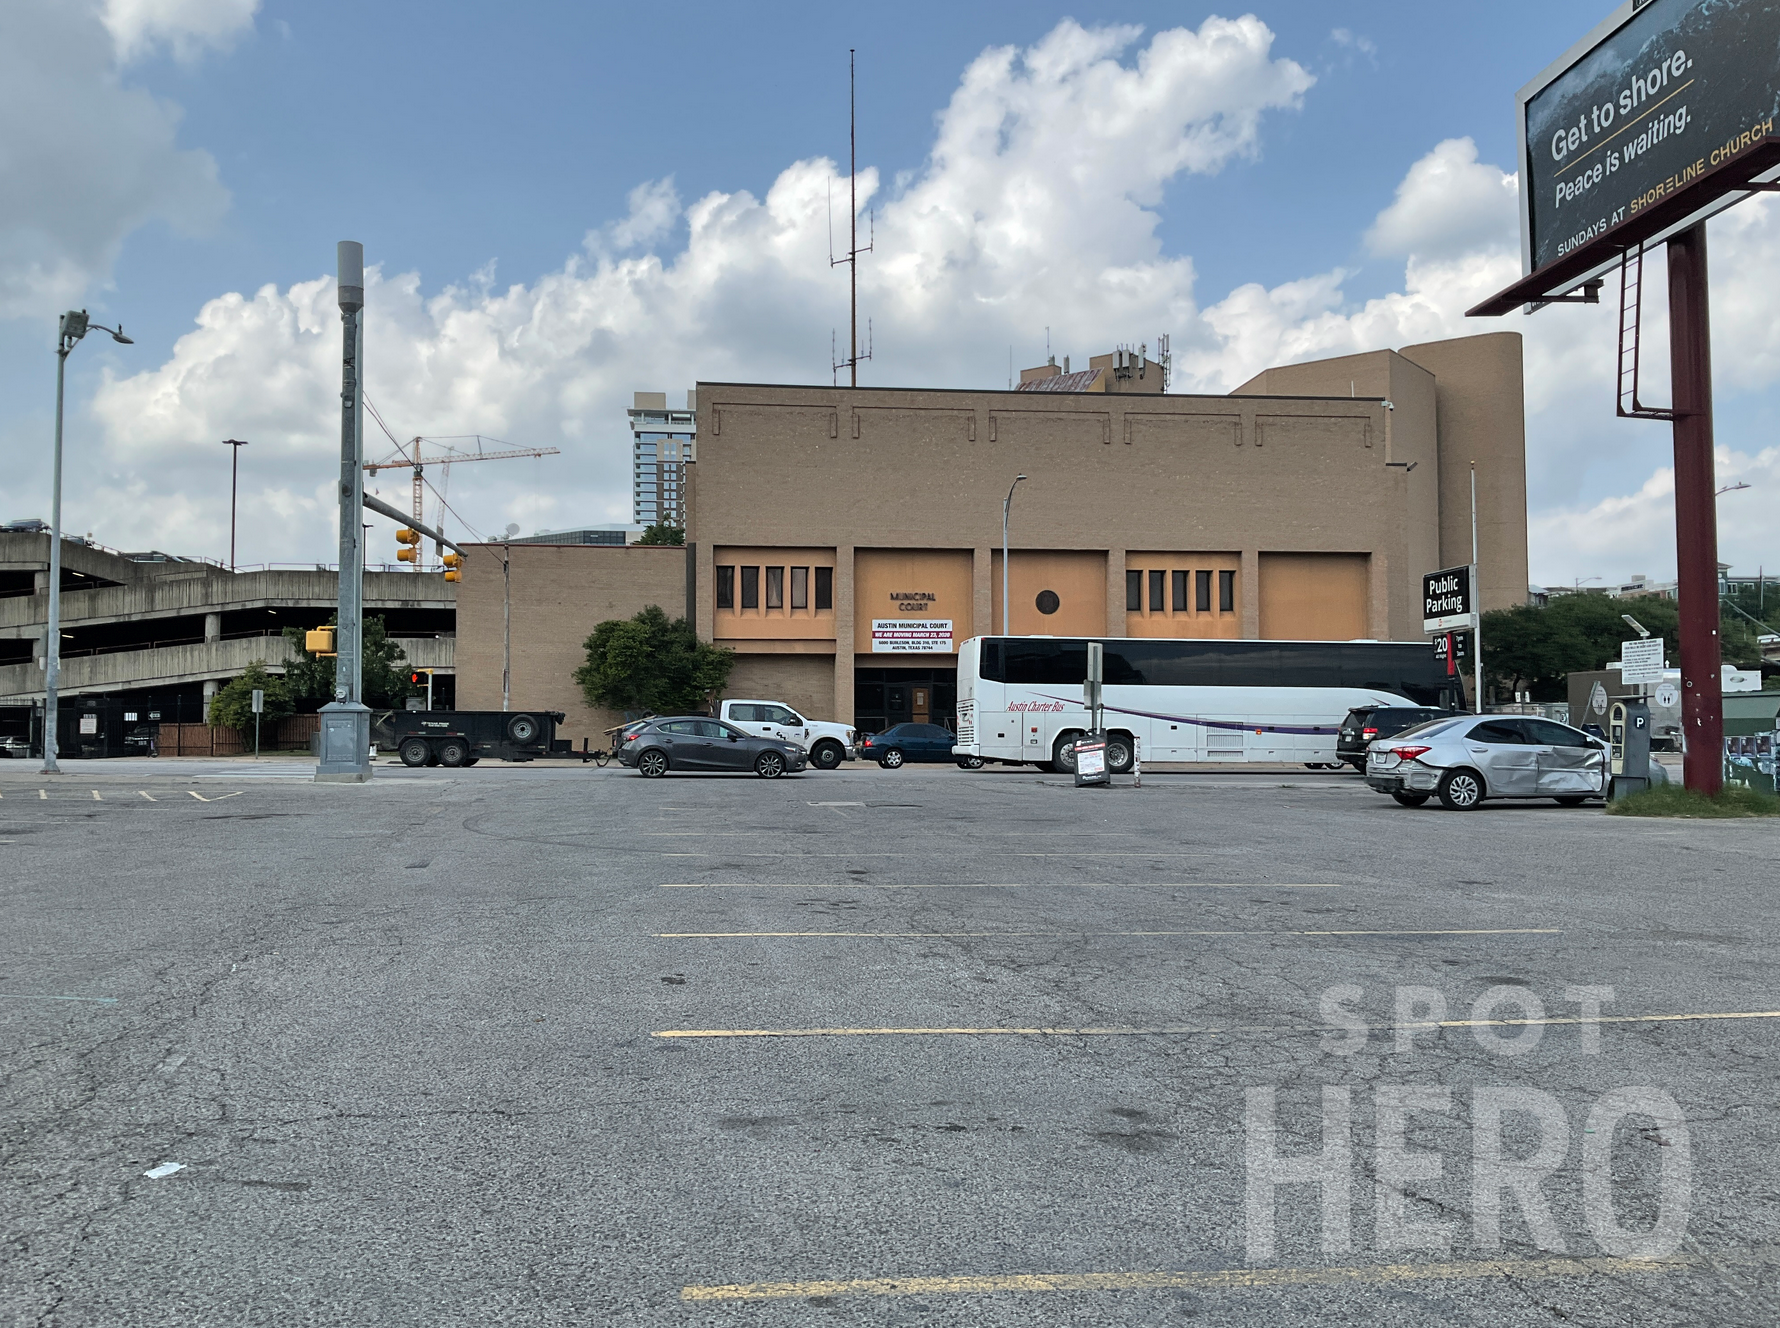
[
  {"x": 1063, "y": 754},
  {"x": 1118, "y": 754}
]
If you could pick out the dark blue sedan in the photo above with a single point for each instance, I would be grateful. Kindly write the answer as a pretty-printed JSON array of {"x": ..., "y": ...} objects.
[{"x": 903, "y": 743}]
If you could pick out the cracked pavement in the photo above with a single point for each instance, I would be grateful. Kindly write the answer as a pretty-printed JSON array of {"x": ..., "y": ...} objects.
[{"x": 402, "y": 1041}]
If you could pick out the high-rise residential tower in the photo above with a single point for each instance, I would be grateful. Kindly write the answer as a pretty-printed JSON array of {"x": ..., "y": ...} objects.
[{"x": 662, "y": 445}]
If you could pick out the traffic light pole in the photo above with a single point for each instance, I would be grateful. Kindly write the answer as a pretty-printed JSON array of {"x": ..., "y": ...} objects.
[{"x": 346, "y": 723}]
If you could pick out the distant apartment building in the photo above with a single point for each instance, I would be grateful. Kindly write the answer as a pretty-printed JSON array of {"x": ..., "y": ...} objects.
[
  {"x": 614, "y": 534},
  {"x": 662, "y": 445}
]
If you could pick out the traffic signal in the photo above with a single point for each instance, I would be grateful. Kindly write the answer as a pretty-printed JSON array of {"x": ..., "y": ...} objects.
[
  {"x": 408, "y": 539},
  {"x": 319, "y": 641},
  {"x": 454, "y": 566}
]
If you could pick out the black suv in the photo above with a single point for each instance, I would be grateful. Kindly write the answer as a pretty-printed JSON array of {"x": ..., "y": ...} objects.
[{"x": 1368, "y": 722}]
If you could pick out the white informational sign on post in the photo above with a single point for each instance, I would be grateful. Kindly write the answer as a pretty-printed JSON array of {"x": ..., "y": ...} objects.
[
  {"x": 259, "y": 701},
  {"x": 1641, "y": 661},
  {"x": 911, "y": 636}
]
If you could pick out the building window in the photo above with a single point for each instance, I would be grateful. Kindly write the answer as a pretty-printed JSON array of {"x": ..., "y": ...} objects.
[
  {"x": 726, "y": 587},
  {"x": 775, "y": 587},
  {"x": 1179, "y": 587},
  {"x": 750, "y": 587},
  {"x": 1133, "y": 592},
  {"x": 1226, "y": 592},
  {"x": 1202, "y": 592},
  {"x": 800, "y": 587},
  {"x": 1157, "y": 579},
  {"x": 824, "y": 588}
]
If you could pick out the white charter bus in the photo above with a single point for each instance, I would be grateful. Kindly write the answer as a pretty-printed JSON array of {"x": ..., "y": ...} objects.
[{"x": 1020, "y": 697}]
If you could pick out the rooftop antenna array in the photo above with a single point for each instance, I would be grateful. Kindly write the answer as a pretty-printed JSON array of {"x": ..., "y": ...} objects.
[{"x": 851, "y": 363}]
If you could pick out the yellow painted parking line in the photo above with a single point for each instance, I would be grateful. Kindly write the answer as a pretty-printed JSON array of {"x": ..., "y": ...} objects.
[
  {"x": 1199, "y": 1030},
  {"x": 1472, "y": 931},
  {"x": 1222, "y": 1279},
  {"x": 989, "y": 885}
]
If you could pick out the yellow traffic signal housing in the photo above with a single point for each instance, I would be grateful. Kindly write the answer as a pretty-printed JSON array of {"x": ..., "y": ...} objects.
[
  {"x": 454, "y": 560},
  {"x": 407, "y": 536},
  {"x": 406, "y": 555},
  {"x": 452, "y": 574},
  {"x": 319, "y": 641}
]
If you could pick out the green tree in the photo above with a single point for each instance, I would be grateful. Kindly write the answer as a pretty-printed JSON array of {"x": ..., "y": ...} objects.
[
  {"x": 662, "y": 533},
  {"x": 232, "y": 706},
  {"x": 650, "y": 663},
  {"x": 386, "y": 680},
  {"x": 1530, "y": 648}
]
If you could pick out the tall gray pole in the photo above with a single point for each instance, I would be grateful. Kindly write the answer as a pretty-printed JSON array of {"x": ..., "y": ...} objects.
[
  {"x": 1476, "y": 599},
  {"x": 346, "y": 723},
  {"x": 52, "y": 641},
  {"x": 1005, "y": 508},
  {"x": 71, "y": 327},
  {"x": 506, "y": 627}
]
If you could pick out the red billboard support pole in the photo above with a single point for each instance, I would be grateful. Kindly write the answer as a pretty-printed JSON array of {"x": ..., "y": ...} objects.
[{"x": 1696, "y": 512}]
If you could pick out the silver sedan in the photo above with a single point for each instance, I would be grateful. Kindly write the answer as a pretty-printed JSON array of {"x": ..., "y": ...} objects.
[{"x": 1466, "y": 759}]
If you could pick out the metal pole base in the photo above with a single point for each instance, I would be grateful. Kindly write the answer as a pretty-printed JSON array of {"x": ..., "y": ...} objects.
[{"x": 345, "y": 744}]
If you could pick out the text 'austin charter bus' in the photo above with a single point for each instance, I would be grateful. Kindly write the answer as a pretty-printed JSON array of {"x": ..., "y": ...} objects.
[{"x": 1020, "y": 697}]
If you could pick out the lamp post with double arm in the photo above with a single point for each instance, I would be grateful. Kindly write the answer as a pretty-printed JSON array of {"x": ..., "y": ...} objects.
[{"x": 72, "y": 327}]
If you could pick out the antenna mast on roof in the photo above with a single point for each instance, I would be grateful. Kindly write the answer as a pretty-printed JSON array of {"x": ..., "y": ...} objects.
[{"x": 853, "y": 249}]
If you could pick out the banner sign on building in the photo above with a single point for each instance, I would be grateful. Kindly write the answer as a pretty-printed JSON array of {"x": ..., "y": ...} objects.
[
  {"x": 1655, "y": 100},
  {"x": 1447, "y": 602},
  {"x": 911, "y": 636},
  {"x": 1641, "y": 661}
]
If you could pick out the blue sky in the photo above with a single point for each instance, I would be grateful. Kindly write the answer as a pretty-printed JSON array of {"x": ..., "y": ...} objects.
[{"x": 475, "y": 148}]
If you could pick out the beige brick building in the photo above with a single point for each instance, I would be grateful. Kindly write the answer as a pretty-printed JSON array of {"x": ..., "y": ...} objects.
[{"x": 843, "y": 541}]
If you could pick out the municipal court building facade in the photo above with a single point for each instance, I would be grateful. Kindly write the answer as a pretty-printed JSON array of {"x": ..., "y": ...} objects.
[{"x": 843, "y": 541}]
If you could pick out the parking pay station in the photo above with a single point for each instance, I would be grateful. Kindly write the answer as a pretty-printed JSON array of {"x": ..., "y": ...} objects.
[{"x": 1628, "y": 732}]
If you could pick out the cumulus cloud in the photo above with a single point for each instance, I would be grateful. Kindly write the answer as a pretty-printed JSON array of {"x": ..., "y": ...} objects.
[
  {"x": 185, "y": 27},
  {"x": 87, "y": 159},
  {"x": 1039, "y": 205},
  {"x": 1448, "y": 205}
]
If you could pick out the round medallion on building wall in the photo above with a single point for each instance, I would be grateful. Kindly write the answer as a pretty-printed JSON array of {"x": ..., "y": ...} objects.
[{"x": 1048, "y": 601}]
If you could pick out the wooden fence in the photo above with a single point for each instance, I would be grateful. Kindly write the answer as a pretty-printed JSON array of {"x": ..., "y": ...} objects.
[{"x": 288, "y": 734}]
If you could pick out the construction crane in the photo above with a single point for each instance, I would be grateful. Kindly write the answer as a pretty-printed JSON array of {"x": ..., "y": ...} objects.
[{"x": 446, "y": 457}]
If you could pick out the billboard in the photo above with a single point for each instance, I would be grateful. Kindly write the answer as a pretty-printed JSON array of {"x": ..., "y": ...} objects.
[
  {"x": 1447, "y": 602},
  {"x": 1660, "y": 117}
]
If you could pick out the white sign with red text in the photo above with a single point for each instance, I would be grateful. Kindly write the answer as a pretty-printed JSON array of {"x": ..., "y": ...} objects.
[{"x": 911, "y": 636}]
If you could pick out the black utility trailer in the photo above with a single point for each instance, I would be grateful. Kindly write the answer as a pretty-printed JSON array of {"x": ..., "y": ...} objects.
[{"x": 464, "y": 737}]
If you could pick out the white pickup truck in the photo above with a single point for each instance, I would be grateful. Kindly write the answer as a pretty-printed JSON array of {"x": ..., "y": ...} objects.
[{"x": 827, "y": 744}]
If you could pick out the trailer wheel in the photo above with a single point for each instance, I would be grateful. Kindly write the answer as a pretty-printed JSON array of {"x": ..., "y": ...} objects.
[
  {"x": 453, "y": 752},
  {"x": 523, "y": 729},
  {"x": 414, "y": 751}
]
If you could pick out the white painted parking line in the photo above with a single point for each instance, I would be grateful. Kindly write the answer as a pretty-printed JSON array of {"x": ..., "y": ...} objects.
[
  {"x": 96, "y": 797},
  {"x": 201, "y": 798},
  {"x": 994, "y": 885},
  {"x": 44, "y": 794},
  {"x": 992, "y": 935},
  {"x": 144, "y": 794}
]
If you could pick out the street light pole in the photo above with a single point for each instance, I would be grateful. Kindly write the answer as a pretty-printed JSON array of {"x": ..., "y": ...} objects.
[
  {"x": 1005, "y": 508},
  {"x": 345, "y": 721},
  {"x": 71, "y": 327},
  {"x": 234, "y": 477}
]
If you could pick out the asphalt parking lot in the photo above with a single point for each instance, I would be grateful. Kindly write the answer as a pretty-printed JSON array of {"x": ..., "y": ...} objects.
[{"x": 563, "y": 1045}]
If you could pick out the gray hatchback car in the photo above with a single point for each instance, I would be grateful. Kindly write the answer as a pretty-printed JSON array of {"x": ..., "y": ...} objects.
[{"x": 1464, "y": 760}]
